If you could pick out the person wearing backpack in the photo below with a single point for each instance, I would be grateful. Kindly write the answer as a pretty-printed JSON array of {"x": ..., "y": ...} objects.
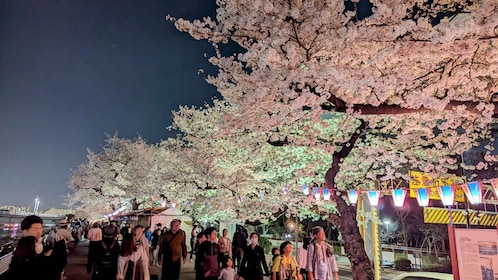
[
  {"x": 321, "y": 262},
  {"x": 103, "y": 256}
]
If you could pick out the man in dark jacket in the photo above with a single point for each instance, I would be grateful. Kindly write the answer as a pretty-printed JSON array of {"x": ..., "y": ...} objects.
[
  {"x": 172, "y": 251},
  {"x": 209, "y": 256}
]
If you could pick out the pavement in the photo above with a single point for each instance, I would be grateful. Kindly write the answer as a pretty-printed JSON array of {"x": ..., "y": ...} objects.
[{"x": 77, "y": 258}]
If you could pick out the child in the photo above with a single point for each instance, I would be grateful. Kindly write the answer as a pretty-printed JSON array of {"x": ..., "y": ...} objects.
[
  {"x": 275, "y": 252},
  {"x": 227, "y": 271}
]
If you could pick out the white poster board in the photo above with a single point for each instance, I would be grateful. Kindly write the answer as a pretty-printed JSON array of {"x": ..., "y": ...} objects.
[{"x": 477, "y": 253}]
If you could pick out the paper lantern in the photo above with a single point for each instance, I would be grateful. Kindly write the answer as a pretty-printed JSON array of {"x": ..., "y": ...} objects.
[
  {"x": 373, "y": 197},
  {"x": 326, "y": 194},
  {"x": 261, "y": 194},
  {"x": 447, "y": 194},
  {"x": 353, "y": 196},
  {"x": 473, "y": 191},
  {"x": 306, "y": 190},
  {"x": 317, "y": 193},
  {"x": 399, "y": 197},
  {"x": 422, "y": 195},
  {"x": 494, "y": 184}
]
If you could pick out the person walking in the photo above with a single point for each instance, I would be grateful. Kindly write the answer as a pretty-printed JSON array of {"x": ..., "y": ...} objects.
[
  {"x": 239, "y": 243},
  {"x": 209, "y": 256},
  {"x": 321, "y": 262},
  {"x": 302, "y": 257},
  {"x": 225, "y": 245},
  {"x": 172, "y": 251},
  {"x": 102, "y": 261},
  {"x": 285, "y": 266},
  {"x": 193, "y": 240},
  {"x": 133, "y": 263},
  {"x": 156, "y": 239},
  {"x": 253, "y": 261}
]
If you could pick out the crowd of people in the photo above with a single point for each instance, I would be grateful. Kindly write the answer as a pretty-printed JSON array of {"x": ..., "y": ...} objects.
[{"x": 127, "y": 253}]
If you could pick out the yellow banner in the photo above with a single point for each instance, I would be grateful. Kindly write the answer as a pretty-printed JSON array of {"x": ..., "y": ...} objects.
[{"x": 423, "y": 180}]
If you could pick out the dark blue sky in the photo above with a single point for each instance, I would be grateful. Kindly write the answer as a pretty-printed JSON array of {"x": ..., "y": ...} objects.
[{"x": 72, "y": 71}]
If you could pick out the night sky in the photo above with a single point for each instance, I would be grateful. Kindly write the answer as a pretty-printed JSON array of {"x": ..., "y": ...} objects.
[{"x": 72, "y": 71}]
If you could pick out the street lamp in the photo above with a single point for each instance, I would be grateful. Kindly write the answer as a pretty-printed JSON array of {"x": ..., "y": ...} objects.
[{"x": 37, "y": 203}]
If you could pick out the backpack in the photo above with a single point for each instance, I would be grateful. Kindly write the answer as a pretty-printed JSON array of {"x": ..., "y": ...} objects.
[{"x": 106, "y": 264}]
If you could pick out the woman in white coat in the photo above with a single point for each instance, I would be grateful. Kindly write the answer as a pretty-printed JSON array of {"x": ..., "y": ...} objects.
[{"x": 133, "y": 264}]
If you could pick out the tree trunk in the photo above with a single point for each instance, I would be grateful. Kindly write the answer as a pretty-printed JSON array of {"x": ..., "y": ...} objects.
[
  {"x": 354, "y": 245},
  {"x": 346, "y": 221}
]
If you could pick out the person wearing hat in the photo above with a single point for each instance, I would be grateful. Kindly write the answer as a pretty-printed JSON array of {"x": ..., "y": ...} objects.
[
  {"x": 103, "y": 256},
  {"x": 63, "y": 232},
  {"x": 95, "y": 233}
]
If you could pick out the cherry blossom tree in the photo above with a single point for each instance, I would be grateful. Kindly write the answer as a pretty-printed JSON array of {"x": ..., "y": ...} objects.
[
  {"x": 121, "y": 174},
  {"x": 411, "y": 86}
]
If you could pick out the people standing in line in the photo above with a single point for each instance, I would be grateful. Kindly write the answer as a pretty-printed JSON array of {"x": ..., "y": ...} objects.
[
  {"x": 321, "y": 262},
  {"x": 31, "y": 259},
  {"x": 95, "y": 233},
  {"x": 302, "y": 257},
  {"x": 253, "y": 262},
  {"x": 285, "y": 266},
  {"x": 156, "y": 239},
  {"x": 193, "y": 240},
  {"x": 103, "y": 256},
  {"x": 172, "y": 251},
  {"x": 201, "y": 237},
  {"x": 227, "y": 271},
  {"x": 225, "y": 245},
  {"x": 209, "y": 256},
  {"x": 239, "y": 242},
  {"x": 133, "y": 262}
]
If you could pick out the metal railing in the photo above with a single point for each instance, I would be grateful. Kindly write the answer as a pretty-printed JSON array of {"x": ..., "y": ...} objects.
[{"x": 5, "y": 261}]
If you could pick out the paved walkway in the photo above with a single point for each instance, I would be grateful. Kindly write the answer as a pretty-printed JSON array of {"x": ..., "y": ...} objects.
[
  {"x": 77, "y": 258},
  {"x": 76, "y": 265}
]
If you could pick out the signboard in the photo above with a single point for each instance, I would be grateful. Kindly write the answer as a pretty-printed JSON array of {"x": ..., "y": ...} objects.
[
  {"x": 477, "y": 253},
  {"x": 423, "y": 180}
]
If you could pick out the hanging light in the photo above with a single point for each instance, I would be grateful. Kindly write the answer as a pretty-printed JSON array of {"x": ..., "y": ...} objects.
[
  {"x": 473, "y": 191},
  {"x": 284, "y": 190},
  {"x": 353, "y": 196},
  {"x": 261, "y": 194},
  {"x": 306, "y": 190},
  {"x": 447, "y": 194},
  {"x": 317, "y": 193},
  {"x": 239, "y": 199},
  {"x": 399, "y": 197},
  {"x": 423, "y": 195},
  {"x": 326, "y": 194},
  {"x": 173, "y": 204},
  {"x": 373, "y": 197},
  {"x": 494, "y": 184}
]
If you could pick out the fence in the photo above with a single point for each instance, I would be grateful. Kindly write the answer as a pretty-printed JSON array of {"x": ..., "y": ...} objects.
[{"x": 4, "y": 262}]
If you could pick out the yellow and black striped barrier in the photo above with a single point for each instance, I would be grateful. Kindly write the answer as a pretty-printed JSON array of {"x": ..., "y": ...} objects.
[{"x": 434, "y": 215}]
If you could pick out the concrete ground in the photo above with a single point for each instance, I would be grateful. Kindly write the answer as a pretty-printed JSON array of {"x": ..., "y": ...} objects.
[{"x": 77, "y": 258}]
